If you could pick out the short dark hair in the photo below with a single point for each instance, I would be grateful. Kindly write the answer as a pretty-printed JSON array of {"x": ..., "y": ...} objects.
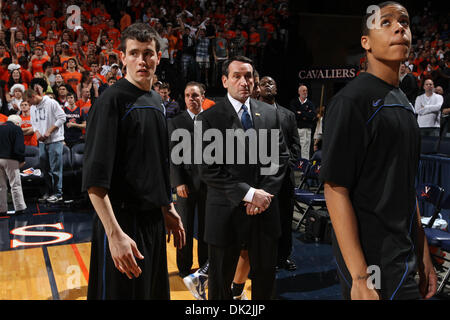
[
  {"x": 164, "y": 85},
  {"x": 141, "y": 32},
  {"x": 227, "y": 63},
  {"x": 201, "y": 86},
  {"x": 364, "y": 29}
]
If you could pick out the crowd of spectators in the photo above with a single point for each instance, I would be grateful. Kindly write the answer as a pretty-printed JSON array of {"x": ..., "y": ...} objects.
[{"x": 37, "y": 38}]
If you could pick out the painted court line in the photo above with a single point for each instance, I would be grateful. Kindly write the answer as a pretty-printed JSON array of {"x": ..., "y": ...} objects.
[{"x": 80, "y": 261}]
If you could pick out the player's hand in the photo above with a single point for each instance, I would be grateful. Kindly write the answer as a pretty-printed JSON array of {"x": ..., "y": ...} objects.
[
  {"x": 262, "y": 199},
  {"x": 427, "y": 279},
  {"x": 174, "y": 226},
  {"x": 123, "y": 252},
  {"x": 252, "y": 210},
  {"x": 183, "y": 191},
  {"x": 360, "y": 291}
]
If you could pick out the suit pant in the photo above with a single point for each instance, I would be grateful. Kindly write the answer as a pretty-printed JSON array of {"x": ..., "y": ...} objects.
[
  {"x": 286, "y": 205},
  {"x": 186, "y": 209},
  {"x": 262, "y": 252}
]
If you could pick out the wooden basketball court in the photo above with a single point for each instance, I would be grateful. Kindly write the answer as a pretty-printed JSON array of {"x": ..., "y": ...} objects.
[{"x": 58, "y": 271}]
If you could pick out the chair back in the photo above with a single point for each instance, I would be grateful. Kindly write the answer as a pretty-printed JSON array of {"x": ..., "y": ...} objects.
[
  {"x": 430, "y": 193},
  {"x": 31, "y": 158},
  {"x": 77, "y": 156}
]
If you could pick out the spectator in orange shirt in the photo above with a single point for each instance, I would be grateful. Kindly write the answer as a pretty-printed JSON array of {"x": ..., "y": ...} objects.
[
  {"x": 113, "y": 33},
  {"x": 105, "y": 54},
  {"x": 125, "y": 21},
  {"x": 207, "y": 103},
  {"x": 28, "y": 131},
  {"x": 253, "y": 43},
  {"x": 95, "y": 69},
  {"x": 54, "y": 28},
  {"x": 72, "y": 77},
  {"x": 85, "y": 102},
  {"x": 26, "y": 75},
  {"x": 47, "y": 19},
  {"x": 37, "y": 60},
  {"x": 50, "y": 42}
]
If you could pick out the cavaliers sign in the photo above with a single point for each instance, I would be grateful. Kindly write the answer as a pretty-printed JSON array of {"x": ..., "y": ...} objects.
[{"x": 328, "y": 73}]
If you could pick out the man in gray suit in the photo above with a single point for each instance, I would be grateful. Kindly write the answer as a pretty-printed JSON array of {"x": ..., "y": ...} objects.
[{"x": 241, "y": 211}]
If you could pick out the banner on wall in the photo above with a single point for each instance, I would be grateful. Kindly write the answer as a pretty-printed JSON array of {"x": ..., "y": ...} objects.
[{"x": 328, "y": 73}]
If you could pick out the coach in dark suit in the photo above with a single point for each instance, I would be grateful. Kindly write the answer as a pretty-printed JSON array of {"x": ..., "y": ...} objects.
[
  {"x": 268, "y": 91},
  {"x": 241, "y": 210},
  {"x": 184, "y": 177}
]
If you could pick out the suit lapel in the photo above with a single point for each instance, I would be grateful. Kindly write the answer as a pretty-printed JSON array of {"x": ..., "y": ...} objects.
[
  {"x": 189, "y": 121},
  {"x": 233, "y": 117},
  {"x": 256, "y": 114}
]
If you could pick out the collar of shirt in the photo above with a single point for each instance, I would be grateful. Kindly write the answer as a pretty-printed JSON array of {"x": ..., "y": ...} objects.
[
  {"x": 301, "y": 100},
  {"x": 192, "y": 114},
  {"x": 237, "y": 105}
]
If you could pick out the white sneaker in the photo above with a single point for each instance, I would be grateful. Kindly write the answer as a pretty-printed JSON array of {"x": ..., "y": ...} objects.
[
  {"x": 54, "y": 199},
  {"x": 242, "y": 296},
  {"x": 197, "y": 283}
]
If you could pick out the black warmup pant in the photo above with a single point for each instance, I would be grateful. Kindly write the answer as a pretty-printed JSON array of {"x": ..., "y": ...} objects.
[
  {"x": 407, "y": 291},
  {"x": 186, "y": 209},
  {"x": 148, "y": 231},
  {"x": 262, "y": 252},
  {"x": 286, "y": 207}
]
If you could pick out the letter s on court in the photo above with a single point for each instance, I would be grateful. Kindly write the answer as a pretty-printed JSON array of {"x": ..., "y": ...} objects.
[{"x": 23, "y": 231}]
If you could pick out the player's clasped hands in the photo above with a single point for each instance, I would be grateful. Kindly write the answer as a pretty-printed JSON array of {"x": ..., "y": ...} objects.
[{"x": 260, "y": 202}]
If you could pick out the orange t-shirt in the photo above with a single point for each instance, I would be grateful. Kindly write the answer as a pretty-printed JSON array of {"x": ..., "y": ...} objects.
[
  {"x": 29, "y": 140},
  {"x": 207, "y": 103},
  {"x": 72, "y": 79},
  {"x": 254, "y": 38},
  {"x": 95, "y": 31},
  {"x": 26, "y": 76},
  {"x": 36, "y": 65},
  {"x": 114, "y": 34},
  {"x": 3, "y": 118},
  {"x": 125, "y": 21},
  {"x": 48, "y": 46},
  {"x": 84, "y": 105},
  {"x": 84, "y": 109}
]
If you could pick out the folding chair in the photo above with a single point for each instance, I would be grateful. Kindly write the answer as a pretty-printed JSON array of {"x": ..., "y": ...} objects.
[
  {"x": 311, "y": 199},
  {"x": 436, "y": 195}
]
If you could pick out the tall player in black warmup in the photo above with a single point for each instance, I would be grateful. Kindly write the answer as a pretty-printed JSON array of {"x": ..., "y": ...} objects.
[
  {"x": 371, "y": 149},
  {"x": 126, "y": 173}
]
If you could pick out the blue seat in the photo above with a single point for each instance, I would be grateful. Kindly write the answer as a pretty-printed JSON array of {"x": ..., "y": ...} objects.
[
  {"x": 429, "y": 144},
  {"x": 307, "y": 196},
  {"x": 437, "y": 196},
  {"x": 32, "y": 183}
]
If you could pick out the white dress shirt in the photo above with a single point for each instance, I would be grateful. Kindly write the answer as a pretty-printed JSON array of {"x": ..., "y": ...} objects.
[{"x": 237, "y": 105}]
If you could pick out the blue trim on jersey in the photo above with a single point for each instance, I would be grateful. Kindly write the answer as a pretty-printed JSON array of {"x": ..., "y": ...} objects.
[
  {"x": 388, "y": 105},
  {"x": 104, "y": 269},
  {"x": 342, "y": 274},
  {"x": 141, "y": 107},
  {"x": 406, "y": 262}
]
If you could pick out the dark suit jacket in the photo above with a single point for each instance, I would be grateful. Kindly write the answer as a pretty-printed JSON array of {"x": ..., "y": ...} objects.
[
  {"x": 307, "y": 118},
  {"x": 228, "y": 183},
  {"x": 290, "y": 134},
  {"x": 185, "y": 173}
]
